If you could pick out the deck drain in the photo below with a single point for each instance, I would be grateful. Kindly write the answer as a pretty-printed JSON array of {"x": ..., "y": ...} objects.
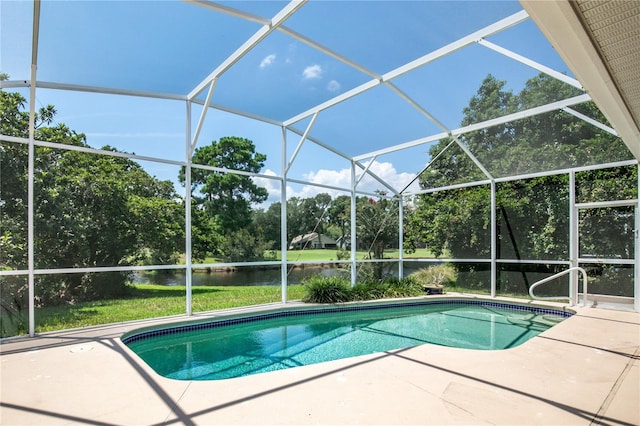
[{"x": 82, "y": 348}]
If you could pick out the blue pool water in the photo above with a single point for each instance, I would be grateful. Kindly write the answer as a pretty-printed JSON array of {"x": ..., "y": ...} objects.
[{"x": 236, "y": 347}]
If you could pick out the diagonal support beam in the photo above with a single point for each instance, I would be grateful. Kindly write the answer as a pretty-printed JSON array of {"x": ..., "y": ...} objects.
[
  {"x": 523, "y": 114},
  {"x": 473, "y": 158},
  {"x": 590, "y": 120},
  {"x": 364, "y": 172},
  {"x": 414, "y": 104},
  {"x": 482, "y": 125},
  {"x": 203, "y": 115},
  {"x": 433, "y": 160},
  {"x": 246, "y": 47},
  {"x": 533, "y": 64},
  {"x": 302, "y": 139},
  {"x": 376, "y": 177}
]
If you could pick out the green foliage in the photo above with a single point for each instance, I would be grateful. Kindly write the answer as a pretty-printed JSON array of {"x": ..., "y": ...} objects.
[
  {"x": 443, "y": 274},
  {"x": 98, "y": 210},
  {"x": 268, "y": 224},
  {"x": 222, "y": 201},
  {"x": 244, "y": 245},
  {"x": 89, "y": 210},
  {"x": 532, "y": 218},
  {"x": 389, "y": 288},
  {"x": 377, "y": 224},
  {"x": 342, "y": 254},
  {"x": 319, "y": 289},
  {"x": 532, "y": 214},
  {"x": 227, "y": 196},
  {"x": 456, "y": 221},
  {"x": 340, "y": 215},
  {"x": 619, "y": 183},
  {"x": 405, "y": 287}
]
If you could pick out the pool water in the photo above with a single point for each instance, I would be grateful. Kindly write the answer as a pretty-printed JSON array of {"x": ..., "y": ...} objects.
[{"x": 228, "y": 349}]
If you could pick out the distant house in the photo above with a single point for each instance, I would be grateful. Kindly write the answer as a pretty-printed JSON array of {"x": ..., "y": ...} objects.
[{"x": 312, "y": 240}]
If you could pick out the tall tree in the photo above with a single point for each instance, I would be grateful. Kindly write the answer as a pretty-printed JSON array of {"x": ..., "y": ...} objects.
[
  {"x": 377, "y": 227},
  {"x": 224, "y": 199},
  {"x": 227, "y": 196},
  {"x": 268, "y": 223},
  {"x": 340, "y": 215}
]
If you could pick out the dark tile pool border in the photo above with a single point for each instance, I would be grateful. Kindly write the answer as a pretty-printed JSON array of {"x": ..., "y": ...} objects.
[{"x": 222, "y": 322}]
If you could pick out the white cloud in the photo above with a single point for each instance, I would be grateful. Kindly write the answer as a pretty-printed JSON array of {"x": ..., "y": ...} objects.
[
  {"x": 338, "y": 178},
  {"x": 271, "y": 185},
  {"x": 333, "y": 86},
  {"x": 268, "y": 60},
  {"x": 312, "y": 72}
]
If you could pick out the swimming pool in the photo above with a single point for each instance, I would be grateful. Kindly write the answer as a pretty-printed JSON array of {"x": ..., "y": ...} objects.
[{"x": 258, "y": 343}]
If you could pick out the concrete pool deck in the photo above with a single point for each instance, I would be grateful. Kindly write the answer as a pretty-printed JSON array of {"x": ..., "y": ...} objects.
[{"x": 585, "y": 370}]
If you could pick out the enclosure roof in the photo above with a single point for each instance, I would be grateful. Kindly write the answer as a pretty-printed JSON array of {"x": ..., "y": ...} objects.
[{"x": 365, "y": 80}]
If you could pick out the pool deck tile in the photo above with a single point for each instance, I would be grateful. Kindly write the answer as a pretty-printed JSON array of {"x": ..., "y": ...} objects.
[{"x": 585, "y": 370}]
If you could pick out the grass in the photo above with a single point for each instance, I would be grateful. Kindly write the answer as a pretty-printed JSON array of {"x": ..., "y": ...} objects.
[
  {"x": 329, "y": 255},
  {"x": 151, "y": 301}
]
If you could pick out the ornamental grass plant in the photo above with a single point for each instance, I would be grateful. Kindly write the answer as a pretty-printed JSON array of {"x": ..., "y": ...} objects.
[{"x": 319, "y": 289}]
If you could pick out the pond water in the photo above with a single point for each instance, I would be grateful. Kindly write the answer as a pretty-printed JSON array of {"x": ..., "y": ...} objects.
[{"x": 248, "y": 276}]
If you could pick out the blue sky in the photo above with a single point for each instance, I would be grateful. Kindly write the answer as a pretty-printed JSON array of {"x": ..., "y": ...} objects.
[{"x": 169, "y": 47}]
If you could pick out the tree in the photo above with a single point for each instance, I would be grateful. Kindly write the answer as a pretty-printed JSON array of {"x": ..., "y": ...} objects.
[
  {"x": 268, "y": 224},
  {"x": 316, "y": 210},
  {"x": 377, "y": 227},
  {"x": 340, "y": 215},
  {"x": 100, "y": 207},
  {"x": 223, "y": 198},
  {"x": 89, "y": 210},
  {"x": 532, "y": 213}
]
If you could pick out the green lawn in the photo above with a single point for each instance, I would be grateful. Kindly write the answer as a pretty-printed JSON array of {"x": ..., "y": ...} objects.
[
  {"x": 328, "y": 255},
  {"x": 151, "y": 301}
]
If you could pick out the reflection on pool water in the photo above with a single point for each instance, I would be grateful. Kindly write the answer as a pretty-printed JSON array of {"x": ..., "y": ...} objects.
[{"x": 235, "y": 347}]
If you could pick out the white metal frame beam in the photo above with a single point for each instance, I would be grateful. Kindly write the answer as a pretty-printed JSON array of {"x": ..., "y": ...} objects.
[
  {"x": 300, "y": 143},
  {"x": 481, "y": 125},
  {"x": 430, "y": 57},
  {"x": 533, "y": 64},
  {"x": 31, "y": 167},
  {"x": 246, "y": 47},
  {"x": 590, "y": 120}
]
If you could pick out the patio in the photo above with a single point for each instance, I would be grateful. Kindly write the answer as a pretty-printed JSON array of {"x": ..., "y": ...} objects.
[{"x": 583, "y": 371}]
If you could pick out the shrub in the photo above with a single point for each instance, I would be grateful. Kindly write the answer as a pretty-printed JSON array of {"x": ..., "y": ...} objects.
[
  {"x": 343, "y": 254},
  {"x": 444, "y": 274},
  {"x": 405, "y": 287},
  {"x": 367, "y": 291},
  {"x": 319, "y": 289},
  {"x": 337, "y": 289}
]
